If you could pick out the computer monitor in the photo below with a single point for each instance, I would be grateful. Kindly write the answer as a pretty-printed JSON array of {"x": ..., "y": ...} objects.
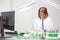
[{"x": 7, "y": 21}]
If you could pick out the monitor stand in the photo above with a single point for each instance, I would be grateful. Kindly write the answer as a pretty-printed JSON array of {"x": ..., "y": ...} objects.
[{"x": 3, "y": 35}]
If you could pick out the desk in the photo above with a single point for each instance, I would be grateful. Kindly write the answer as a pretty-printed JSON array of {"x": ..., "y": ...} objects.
[{"x": 14, "y": 37}]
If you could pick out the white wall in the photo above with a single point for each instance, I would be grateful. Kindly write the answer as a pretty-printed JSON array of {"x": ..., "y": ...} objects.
[
  {"x": 24, "y": 17},
  {"x": 4, "y": 5}
]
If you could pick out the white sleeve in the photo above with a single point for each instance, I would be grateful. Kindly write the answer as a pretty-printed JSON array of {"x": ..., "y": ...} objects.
[{"x": 34, "y": 24}]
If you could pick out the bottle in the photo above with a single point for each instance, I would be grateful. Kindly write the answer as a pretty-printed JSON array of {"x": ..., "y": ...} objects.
[
  {"x": 43, "y": 35},
  {"x": 19, "y": 35}
]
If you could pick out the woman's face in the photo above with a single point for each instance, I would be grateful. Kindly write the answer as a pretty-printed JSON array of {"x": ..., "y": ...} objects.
[{"x": 42, "y": 14}]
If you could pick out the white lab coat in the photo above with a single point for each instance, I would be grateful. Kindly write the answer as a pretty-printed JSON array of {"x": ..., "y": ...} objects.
[{"x": 48, "y": 24}]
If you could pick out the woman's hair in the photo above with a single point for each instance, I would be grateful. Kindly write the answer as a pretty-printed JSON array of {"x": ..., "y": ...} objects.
[{"x": 44, "y": 11}]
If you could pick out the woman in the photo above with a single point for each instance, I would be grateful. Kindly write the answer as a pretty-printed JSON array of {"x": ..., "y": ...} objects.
[{"x": 42, "y": 22}]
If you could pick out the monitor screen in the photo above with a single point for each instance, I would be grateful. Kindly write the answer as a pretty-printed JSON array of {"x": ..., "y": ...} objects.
[{"x": 8, "y": 20}]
